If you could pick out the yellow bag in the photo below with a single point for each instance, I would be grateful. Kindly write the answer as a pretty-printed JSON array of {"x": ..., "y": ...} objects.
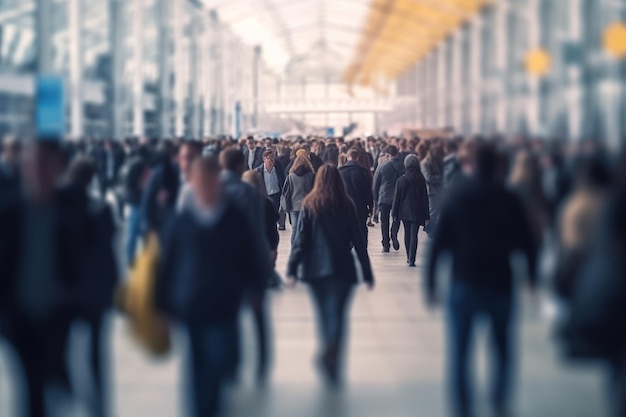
[{"x": 137, "y": 300}]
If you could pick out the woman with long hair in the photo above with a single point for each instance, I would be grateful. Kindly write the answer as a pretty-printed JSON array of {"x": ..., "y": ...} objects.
[
  {"x": 298, "y": 185},
  {"x": 321, "y": 256}
]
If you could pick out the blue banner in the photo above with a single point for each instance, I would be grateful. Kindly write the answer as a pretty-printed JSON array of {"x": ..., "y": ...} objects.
[{"x": 50, "y": 107}]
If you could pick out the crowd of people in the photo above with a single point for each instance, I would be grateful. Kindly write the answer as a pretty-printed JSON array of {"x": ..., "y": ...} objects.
[{"x": 211, "y": 204}]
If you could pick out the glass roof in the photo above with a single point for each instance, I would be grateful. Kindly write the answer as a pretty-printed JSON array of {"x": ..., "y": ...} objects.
[{"x": 298, "y": 35}]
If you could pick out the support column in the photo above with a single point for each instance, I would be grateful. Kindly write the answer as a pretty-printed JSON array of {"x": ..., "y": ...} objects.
[
  {"x": 163, "y": 52},
  {"x": 194, "y": 79},
  {"x": 533, "y": 107},
  {"x": 181, "y": 66},
  {"x": 256, "y": 67},
  {"x": 116, "y": 110},
  {"x": 501, "y": 65},
  {"x": 458, "y": 89},
  {"x": 76, "y": 68},
  {"x": 44, "y": 38},
  {"x": 138, "y": 110},
  {"x": 442, "y": 98},
  {"x": 476, "y": 99}
]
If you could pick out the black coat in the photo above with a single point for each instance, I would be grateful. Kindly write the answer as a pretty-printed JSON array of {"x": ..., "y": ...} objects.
[
  {"x": 358, "y": 181},
  {"x": 481, "y": 225},
  {"x": 323, "y": 248},
  {"x": 258, "y": 157},
  {"x": 280, "y": 172},
  {"x": 410, "y": 203},
  {"x": 385, "y": 180},
  {"x": 205, "y": 270},
  {"x": 164, "y": 178},
  {"x": 74, "y": 237}
]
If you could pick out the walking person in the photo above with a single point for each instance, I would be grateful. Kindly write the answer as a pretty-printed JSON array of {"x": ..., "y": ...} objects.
[
  {"x": 273, "y": 174},
  {"x": 432, "y": 169},
  {"x": 202, "y": 281},
  {"x": 358, "y": 181},
  {"x": 385, "y": 180},
  {"x": 327, "y": 231},
  {"x": 481, "y": 226},
  {"x": 410, "y": 205},
  {"x": 298, "y": 185}
]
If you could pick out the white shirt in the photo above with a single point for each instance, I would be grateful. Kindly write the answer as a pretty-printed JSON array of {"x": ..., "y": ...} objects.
[
  {"x": 251, "y": 154},
  {"x": 271, "y": 181}
]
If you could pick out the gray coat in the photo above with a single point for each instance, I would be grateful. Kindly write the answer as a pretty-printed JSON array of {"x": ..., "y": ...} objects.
[
  {"x": 385, "y": 180},
  {"x": 296, "y": 188}
]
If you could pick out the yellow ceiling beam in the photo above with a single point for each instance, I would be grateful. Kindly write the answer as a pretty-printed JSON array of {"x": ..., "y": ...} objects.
[{"x": 399, "y": 33}]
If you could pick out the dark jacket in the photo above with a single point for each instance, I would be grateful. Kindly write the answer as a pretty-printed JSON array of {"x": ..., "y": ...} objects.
[
  {"x": 130, "y": 188},
  {"x": 385, "y": 180},
  {"x": 73, "y": 237},
  {"x": 358, "y": 181},
  {"x": 9, "y": 186},
  {"x": 451, "y": 170},
  {"x": 165, "y": 178},
  {"x": 331, "y": 155},
  {"x": 481, "y": 225},
  {"x": 101, "y": 159},
  {"x": 201, "y": 276},
  {"x": 297, "y": 187},
  {"x": 323, "y": 248},
  {"x": 258, "y": 157},
  {"x": 271, "y": 230},
  {"x": 280, "y": 172},
  {"x": 410, "y": 203}
]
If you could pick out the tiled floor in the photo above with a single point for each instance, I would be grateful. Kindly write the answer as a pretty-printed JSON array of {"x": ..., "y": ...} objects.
[{"x": 395, "y": 366}]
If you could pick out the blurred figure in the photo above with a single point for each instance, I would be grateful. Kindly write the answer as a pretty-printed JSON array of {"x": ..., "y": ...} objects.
[
  {"x": 202, "y": 282},
  {"x": 98, "y": 282},
  {"x": 451, "y": 163},
  {"x": 385, "y": 180},
  {"x": 298, "y": 185},
  {"x": 596, "y": 296},
  {"x": 10, "y": 170},
  {"x": 44, "y": 241},
  {"x": 327, "y": 231},
  {"x": 481, "y": 225},
  {"x": 525, "y": 181},
  {"x": 251, "y": 203},
  {"x": 164, "y": 192},
  {"x": 109, "y": 160},
  {"x": 331, "y": 154},
  {"x": 358, "y": 182},
  {"x": 134, "y": 177},
  {"x": 410, "y": 205},
  {"x": 432, "y": 169},
  {"x": 273, "y": 174},
  {"x": 252, "y": 154}
]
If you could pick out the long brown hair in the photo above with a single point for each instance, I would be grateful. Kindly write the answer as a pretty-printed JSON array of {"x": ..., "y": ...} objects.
[
  {"x": 329, "y": 195},
  {"x": 302, "y": 160}
]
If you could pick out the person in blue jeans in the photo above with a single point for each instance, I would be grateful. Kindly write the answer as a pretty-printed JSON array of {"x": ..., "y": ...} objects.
[{"x": 482, "y": 224}]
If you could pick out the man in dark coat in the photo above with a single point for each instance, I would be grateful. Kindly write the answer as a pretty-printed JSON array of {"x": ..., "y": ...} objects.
[
  {"x": 410, "y": 205},
  {"x": 109, "y": 160},
  {"x": 273, "y": 175},
  {"x": 481, "y": 225},
  {"x": 9, "y": 171},
  {"x": 202, "y": 281},
  {"x": 385, "y": 180},
  {"x": 45, "y": 237},
  {"x": 358, "y": 181},
  {"x": 252, "y": 154}
]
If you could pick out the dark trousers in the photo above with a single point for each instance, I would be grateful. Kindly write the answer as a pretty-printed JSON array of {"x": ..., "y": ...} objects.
[
  {"x": 41, "y": 347},
  {"x": 467, "y": 304},
  {"x": 332, "y": 300},
  {"x": 212, "y": 356},
  {"x": 385, "y": 220},
  {"x": 257, "y": 304},
  {"x": 411, "y": 231},
  {"x": 617, "y": 387},
  {"x": 281, "y": 214},
  {"x": 97, "y": 364},
  {"x": 293, "y": 219}
]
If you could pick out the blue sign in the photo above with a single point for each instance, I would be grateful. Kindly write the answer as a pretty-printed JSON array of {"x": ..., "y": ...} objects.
[
  {"x": 50, "y": 107},
  {"x": 330, "y": 132}
]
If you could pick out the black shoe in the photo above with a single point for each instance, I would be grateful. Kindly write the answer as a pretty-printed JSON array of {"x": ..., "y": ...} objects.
[
  {"x": 412, "y": 265},
  {"x": 396, "y": 244},
  {"x": 282, "y": 228},
  {"x": 385, "y": 249}
]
